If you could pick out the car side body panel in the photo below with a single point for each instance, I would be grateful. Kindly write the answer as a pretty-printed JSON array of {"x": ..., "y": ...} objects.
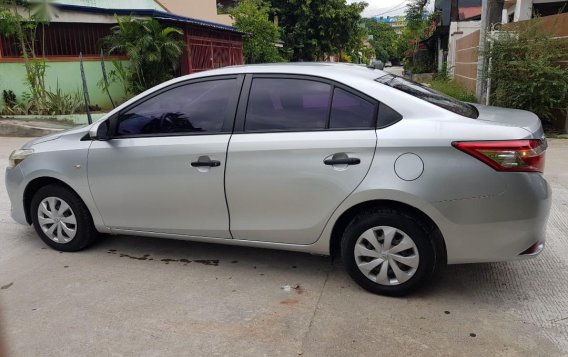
[
  {"x": 278, "y": 187},
  {"x": 157, "y": 188}
]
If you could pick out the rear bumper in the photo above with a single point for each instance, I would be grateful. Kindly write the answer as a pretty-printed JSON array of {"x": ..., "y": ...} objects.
[
  {"x": 508, "y": 226},
  {"x": 15, "y": 186}
]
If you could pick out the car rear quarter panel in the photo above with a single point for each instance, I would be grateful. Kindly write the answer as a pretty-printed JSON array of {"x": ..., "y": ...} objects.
[{"x": 480, "y": 212}]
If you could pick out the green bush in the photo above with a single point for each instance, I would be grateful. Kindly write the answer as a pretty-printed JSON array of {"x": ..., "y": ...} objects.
[
  {"x": 452, "y": 89},
  {"x": 526, "y": 72}
]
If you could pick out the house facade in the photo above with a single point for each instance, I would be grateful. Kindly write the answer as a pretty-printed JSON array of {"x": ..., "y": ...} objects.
[
  {"x": 209, "y": 10},
  {"x": 521, "y": 10},
  {"x": 77, "y": 27}
]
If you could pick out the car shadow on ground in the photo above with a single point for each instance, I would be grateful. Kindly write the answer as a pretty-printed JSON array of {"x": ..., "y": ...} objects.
[{"x": 492, "y": 282}]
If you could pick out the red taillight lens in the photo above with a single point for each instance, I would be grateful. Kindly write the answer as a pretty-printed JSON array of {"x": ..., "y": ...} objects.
[{"x": 510, "y": 155}]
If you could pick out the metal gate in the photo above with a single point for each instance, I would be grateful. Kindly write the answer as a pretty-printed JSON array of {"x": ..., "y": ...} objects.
[{"x": 212, "y": 49}]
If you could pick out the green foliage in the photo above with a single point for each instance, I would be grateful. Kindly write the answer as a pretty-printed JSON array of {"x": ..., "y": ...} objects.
[
  {"x": 415, "y": 15},
  {"x": 525, "y": 70},
  {"x": 383, "y": 39},
  {"x": 56, "y": 103},
  {"x": 443, "y": 74},
  {"x": 251, "y": 17},
  {"x": 153, "y": 51},
  {"x": 59, "y": 103},
  {"x": 313, "y": 28},
  {"x": 9, "y": 98},
  {"x": 452, "y": 89},
  {"x": 346, "y": 58},
  {"x": 118, "y": 74},
  {"x": 418, "y": 27},
  {"x": 25, "y": 30}
]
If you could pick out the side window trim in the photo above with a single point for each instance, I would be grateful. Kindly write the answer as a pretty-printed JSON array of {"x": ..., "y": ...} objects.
[
  {"x": 227, "y": 124},
  {"x": 246, "y": 90}
]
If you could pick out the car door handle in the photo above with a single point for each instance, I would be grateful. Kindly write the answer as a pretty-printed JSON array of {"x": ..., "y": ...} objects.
[
  {"x": 343, "y": 161},
  {"x": 208, "y": 163}
]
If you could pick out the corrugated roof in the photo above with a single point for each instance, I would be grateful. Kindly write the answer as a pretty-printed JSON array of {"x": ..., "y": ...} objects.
[
  {"x": 118, "y": 8},
  {"x": 113, "y": 4}
]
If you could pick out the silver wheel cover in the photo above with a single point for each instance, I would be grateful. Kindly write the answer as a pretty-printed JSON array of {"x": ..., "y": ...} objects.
[
  {"x": 57, "y": 220},
  {"x": 386, "y": 255}
]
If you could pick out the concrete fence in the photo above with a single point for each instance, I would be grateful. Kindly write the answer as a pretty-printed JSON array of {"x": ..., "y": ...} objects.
[{"x": 465, "y": 70}]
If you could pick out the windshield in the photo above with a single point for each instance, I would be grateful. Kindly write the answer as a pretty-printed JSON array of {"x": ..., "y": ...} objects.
[{"x": 429, "y": 95}]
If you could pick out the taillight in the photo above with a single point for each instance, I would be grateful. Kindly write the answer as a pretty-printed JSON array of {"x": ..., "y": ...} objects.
[{"x": 509, "y": 155}]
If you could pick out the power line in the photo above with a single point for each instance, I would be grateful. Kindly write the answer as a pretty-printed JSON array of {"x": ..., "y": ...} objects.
[{"x": 394, "y": 8}]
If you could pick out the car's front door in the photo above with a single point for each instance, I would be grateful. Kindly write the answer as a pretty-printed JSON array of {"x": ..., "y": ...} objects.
[
  {"x": 300, "y": 148},
  {"x": 163, "y": 169}
]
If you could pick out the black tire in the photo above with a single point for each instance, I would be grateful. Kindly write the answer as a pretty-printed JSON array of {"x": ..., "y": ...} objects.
[
  {"x": 414, "y": 229},
  {"x": 85, "y": 229}
]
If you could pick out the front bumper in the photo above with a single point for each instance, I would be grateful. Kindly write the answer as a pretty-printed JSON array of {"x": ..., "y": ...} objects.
[
  {"x": 15, "y": 186},
  {"x": 508, "y": 226}
]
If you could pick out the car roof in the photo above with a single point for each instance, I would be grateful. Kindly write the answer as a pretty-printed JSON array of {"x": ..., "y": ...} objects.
[
  {"x": 358, "y": 77},
  {"x": 336, "y": 71}
]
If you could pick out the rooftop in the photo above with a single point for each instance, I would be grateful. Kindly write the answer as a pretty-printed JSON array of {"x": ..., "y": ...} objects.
[{"x": 144, "y": 8}]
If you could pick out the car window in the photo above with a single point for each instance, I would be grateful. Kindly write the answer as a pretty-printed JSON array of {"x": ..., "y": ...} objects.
[
  {"x": 387, "y": 116},
  {"x": 192, "y": 108},
  {"x": 350, "y": 111},
  {"x": 287, "y": 104},
  {"x": 429, "y": 95}
]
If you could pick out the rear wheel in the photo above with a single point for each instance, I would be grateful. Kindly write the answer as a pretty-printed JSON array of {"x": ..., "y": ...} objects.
[
  {"x": 61, "y": 219},
  {"x": 388, "y": 252}
]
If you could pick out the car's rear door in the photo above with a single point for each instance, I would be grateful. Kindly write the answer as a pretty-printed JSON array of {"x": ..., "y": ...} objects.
[
  {"x": 294, "y": 156},
  {"x": 163, "y": 169}
]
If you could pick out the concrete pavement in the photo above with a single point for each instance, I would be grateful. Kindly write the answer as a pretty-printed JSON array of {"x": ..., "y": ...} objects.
[{"x": 141, "y": 296}]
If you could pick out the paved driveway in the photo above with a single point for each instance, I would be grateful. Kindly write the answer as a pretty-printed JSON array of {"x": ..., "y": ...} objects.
[{"x": 142, "y": 296}]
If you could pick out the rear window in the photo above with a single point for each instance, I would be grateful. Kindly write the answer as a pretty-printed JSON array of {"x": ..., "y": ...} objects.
[{"x": 429, "y": 95}]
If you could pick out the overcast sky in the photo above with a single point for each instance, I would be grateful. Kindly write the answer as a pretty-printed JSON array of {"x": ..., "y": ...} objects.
[{"x": 387, "y": 7}]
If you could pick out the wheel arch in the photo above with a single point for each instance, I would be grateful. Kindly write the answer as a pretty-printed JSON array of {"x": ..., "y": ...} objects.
[
  {"x": 34, "y": 185},
  {"x": 345, "y": 218}
]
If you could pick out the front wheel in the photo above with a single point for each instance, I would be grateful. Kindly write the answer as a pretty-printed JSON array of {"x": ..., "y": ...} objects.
[
  {"x": 61, "y": 219},
  {"x": 388, "y": 252}
]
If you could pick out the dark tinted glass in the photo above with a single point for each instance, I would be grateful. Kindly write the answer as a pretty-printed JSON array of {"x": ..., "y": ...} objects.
[
  {"x": 350, "y": 111},
  {"x": 287, "y": 104},
  {"x": 387, "y": 116},
  {"x": 429, "y": 95},
  {"x": 192, "y": 108}
]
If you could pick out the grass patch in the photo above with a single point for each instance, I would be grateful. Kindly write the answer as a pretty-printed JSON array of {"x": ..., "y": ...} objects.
[{"x": 452, "y": 89}]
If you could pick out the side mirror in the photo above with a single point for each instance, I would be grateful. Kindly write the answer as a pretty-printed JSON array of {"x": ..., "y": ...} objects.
[{"x": 100, "y": 131}]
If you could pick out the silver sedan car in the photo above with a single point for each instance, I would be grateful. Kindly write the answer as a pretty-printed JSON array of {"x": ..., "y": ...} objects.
[{"x": 327, "y": 159}]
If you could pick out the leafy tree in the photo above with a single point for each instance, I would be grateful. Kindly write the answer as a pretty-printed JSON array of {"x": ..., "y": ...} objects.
[
  {"x": 383, "y": 39},
  {"x": 153, "y": 51},
  {"x": 312, "y": 28},
  {"x": 251, "y": 17},
  {"x": 418, "y": 27}
]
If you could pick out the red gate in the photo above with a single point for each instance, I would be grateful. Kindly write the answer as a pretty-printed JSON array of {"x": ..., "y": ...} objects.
[{"x": 207, "y": 49}]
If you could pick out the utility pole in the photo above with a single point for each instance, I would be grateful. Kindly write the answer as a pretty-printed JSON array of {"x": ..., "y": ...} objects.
[
  {"x": 454, "y": 11},
  {"x": 491, "y": 12}
]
